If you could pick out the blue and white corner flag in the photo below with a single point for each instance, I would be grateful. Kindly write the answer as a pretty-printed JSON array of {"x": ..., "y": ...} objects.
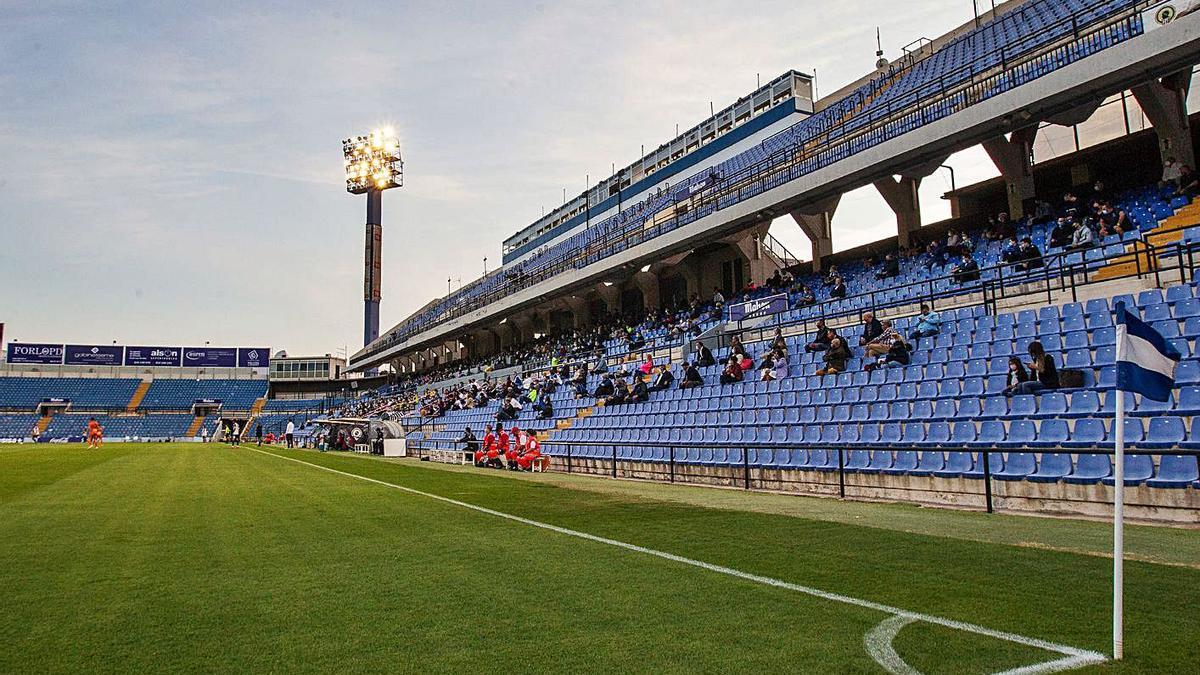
[{"x": 1145, "y": 360}]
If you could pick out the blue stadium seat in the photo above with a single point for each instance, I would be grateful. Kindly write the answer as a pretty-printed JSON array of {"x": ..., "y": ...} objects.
[
  {"x": 1089, "y": 470},
  {"x": 1054, "y": 466},
  {"x": 1017, "y": 466},
  {"x": 1175, "y": 471},
  {"x": 1138, "y": 469}
]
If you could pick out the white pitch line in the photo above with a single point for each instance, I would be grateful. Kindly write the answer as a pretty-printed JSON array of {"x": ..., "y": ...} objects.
[
  {"x": 1076, "y": 657},
  {"x": 878, "y": 642}
]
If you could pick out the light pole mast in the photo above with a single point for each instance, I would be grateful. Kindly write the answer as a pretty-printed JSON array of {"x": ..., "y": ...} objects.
[{"x": 373, "y": 164}]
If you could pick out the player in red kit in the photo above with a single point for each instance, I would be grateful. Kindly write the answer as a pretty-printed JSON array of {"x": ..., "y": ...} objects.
[
  {"x": 489, "y": 442},
  {"x": 533, "y": 452}
]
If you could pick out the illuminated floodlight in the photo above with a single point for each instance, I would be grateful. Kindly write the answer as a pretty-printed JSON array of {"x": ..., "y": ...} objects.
[{"x": 373, "y": 162}]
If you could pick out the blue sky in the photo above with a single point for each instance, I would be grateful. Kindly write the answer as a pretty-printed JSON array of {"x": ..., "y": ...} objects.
[{"x": 171, "y": 172}]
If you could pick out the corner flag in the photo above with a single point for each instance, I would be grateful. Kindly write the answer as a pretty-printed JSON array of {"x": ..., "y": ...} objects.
[
  {"x": 1145, "y": 365},
  {"x": 1145, "y": 360}
]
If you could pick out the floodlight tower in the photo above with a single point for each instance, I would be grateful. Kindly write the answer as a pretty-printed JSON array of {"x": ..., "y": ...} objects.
[{"x": 373, "y": 164}]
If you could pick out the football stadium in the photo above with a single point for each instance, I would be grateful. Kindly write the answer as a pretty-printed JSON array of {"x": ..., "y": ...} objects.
[{"x": 697, "y": 417}]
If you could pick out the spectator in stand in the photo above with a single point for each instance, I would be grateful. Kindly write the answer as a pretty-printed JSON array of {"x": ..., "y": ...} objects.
[
  {"x": 736, "y": 348},
  {"x": 1043, "y": 374},
  {"x": 508, "y": 410},
  {"x": 766, "y": 366},
  {"x": 1189, "y": 183},
  {"x": 1029, "y": 257},
  {"x": 806, "y": 296},
  {"x": 899, "y": 355},
  {"x": 871, "y": 329},
  {"x": 600, "y": 364},
  {"x": 781, "y": 370},
  {"x": 1172, "y": 172},
  {"x": 839, "y": 288},
  {"x": 1083, "y": 238},
  {"x": 832, "y": 275},
  {"x": 664, "y": 380},
  {"x": 718, "y": 299},
  {"x": 703, "y": 356},
  {"x": 470, "y": 443},
  {"x": 821, "y": 338},
  {"x": 778, "y": 343},
  {"x": 966, "y": 271},
  {"x": 1016, "y": 375},
  {"x": 733, "y": 371},
  {"x": 1071, "y": 206},
  {"x": 580, "y": 381},
  {"x": 636, "y": 341},
  {"x": 1060, "y": 236},
  {"x": 882, "y": 343},
  {"x": 691, "y": 376},
  {"x": 929, "y": 323},
  {"x": 648, "y": 365},
  {"x": 639, "y": 392},
  {"x": 890, "y": 268},
  {"x": 836, "y": 357},
  {"x": 605, "y": 389},
  {"x": 1011, "y": 253},
  {"x": 620, "y": 392}
]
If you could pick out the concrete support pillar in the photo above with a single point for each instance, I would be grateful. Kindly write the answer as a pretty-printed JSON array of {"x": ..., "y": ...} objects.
[
  {"x": 648, "y": 283},
  {"x": 611, "y": 295},
  {"x": 749, "y": 244},
  {"x": 816, "y": 222},
  {"x": 1014, "y": 158},
  {"x": 580, "y": 314},
  {"x": 1165, "y": 104},
  {"x": 522, "y": 327},
  {"x": 901, "y": 195}
]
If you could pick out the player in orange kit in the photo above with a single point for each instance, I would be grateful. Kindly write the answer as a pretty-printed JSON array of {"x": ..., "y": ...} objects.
[{"x": 95, "y": 433}]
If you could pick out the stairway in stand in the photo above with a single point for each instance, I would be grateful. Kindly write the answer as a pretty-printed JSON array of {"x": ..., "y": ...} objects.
[
  {"x": 1168, "y": 231},
  {"x": 194, "y": 429},
  {"x": 138, "y": 395}
]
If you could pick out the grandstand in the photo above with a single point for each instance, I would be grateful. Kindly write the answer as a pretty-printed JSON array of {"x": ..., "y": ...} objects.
[
  {"x": 902, "y": 104},
  {"x": 929, "y": 432}
]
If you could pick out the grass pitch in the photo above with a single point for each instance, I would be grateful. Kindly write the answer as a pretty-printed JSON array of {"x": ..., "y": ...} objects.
[{"x": 209, "y": 558}]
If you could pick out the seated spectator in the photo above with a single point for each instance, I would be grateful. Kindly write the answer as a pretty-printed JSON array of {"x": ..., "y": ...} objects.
[
  {"x": 470, "y": 443},
  {"x": 889, "y": 269},
  {"x": 508, "y": 410},
  {"x": 1011, "y": 253},
  {"x": 600, "y": 364},
  {"x": 1029, "y": 257},
  {"x": 839, "y": 288},
  {"x": 835, "y": 357},
  {"x": 821, "y": 338},
  {"x": 547, "y": 410},
  {"x": 648, "y": 365},
  {"x": 1016, "y": 375},
  {"x": 781, "y": 367},
  {"x": 732, "y": 372},
  {"x": 1083, "y": 238},
  {"x": 806, "y": 296},
  {"x": 736, "y": 348},
  {"x": 703, "y": 356},
  {"x": 664, "y": 379},
  {"x": 718, "y": 299},
  {"x": 691, "y": 377},
  {"x": 580, "y": 382},
  {"x": 832, "y": 275},
  {"x": 747, "y": 364},
  {"x": 871, "y": 328},
  {"x": 882, "y": 343},
  {"x": 966, "y": 271},
  {"x": 1189, "y": 183},
  {"x": 639, "y": 393},
  {"x": 636, "y": 341},
  {"x": 929, "y": 323},
  {"x": 766, "y": 366},
  {"x": 1060, "y": 236},
  {"x": 778, "y": 343},
  {"x": 1172, "y": 172},
  {"x": 899, "y": 355},
  {"x": 620, "y": 392},
  {"x": 1043, "y": 374},
  {"x": 605, "y": 389}
]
